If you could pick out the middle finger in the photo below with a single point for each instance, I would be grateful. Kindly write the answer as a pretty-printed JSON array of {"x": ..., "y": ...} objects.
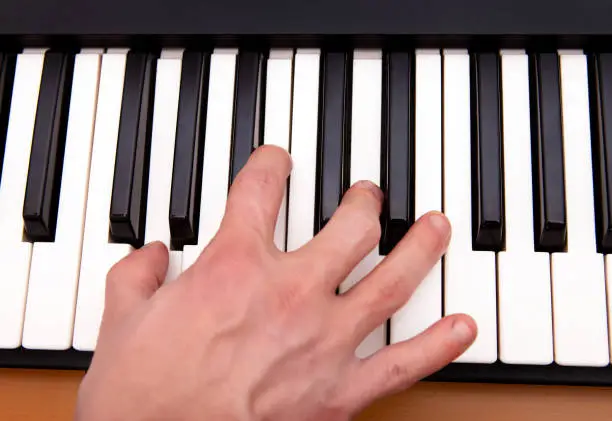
[{"x": 351, "y": 233}]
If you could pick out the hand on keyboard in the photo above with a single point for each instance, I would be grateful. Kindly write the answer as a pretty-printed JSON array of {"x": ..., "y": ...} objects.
[{"x": 251, "y": 333}]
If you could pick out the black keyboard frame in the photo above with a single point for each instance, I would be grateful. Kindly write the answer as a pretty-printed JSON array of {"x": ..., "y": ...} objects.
[
  {"x": 474, "y": 24},
  {"x": 455, "y": 372}
]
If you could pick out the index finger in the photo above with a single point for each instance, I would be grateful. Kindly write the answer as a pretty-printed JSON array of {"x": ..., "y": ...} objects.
[{"x": 256, "y": 195}]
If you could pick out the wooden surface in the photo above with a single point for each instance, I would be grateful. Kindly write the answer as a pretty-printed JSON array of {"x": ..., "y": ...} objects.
[{"x": 50, "y": 396}]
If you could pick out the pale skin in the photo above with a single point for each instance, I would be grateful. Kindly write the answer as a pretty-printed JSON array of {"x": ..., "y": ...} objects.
[{"x": 250, "y": 333}]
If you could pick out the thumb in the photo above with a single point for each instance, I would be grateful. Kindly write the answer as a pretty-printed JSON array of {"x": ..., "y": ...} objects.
[{"x": 135, "y": 278}]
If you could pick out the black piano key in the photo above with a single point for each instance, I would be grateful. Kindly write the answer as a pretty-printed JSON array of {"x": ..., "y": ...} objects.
[
  {"x": 600, "y": 92},
  {"x": 129, "y": 194},
  {"x": 48, "y": 142},
  {"x": 7, "y": 76},
  {"x": 334, "y": 135},
  {"x": 550, "y": 221},
  {"x": 487, "y": 162},
  {"x": 397, "y": 166},
  {"x": 188, "y": 149},
  {"x": 248, "y": 109}
]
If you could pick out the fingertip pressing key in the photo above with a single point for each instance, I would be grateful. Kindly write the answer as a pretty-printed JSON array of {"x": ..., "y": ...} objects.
[
  {"x": 439, "y": 222},
  {"x": 464, "y": 329},
  {"x": 371, "y": 187}
]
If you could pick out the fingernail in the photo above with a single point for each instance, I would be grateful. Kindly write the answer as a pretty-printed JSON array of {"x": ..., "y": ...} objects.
[
  {"x": 439, "y": 222},
  {"x": 462, "y": 331},
  {"x": 366, "y": 184}
]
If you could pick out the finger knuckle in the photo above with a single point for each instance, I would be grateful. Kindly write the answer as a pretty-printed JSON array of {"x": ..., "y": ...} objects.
[
  {"x": 225, "y": 261},
  {"x": 258, "y": 178},
  {"x": 388, "y": 291},
  {"x": 430, "y": 244},
  {"x": 399, "y": 375}
]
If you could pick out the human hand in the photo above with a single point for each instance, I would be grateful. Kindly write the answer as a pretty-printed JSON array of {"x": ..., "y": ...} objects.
[{"x": 249, "y": 333}]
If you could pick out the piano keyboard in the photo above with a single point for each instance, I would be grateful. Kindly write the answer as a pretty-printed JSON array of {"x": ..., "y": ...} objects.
[{"x": 104, "y": 150}]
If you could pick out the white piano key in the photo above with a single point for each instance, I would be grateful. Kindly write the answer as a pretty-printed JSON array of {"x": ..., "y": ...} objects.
[
  {"x": 578, "y": 278},
  {"x": 54, "y": 274},
  {"x": 366, "y": 116},
  {"x": 15, "y": 252},
  {"x": 608, "y": 275},
  {"x": 425, "y": 306},
  {"x": 163, "y": 135},
  {"x": 524, "y": 295},
  {"x": 277, "y": 120},
  {"x": 215, "y": 173},
  {"x": 469, "y": 276},
  {"x": 98, "y": 254},
  {"x": 365, "y": 162},
  {"x": 302, "y": 183}
]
